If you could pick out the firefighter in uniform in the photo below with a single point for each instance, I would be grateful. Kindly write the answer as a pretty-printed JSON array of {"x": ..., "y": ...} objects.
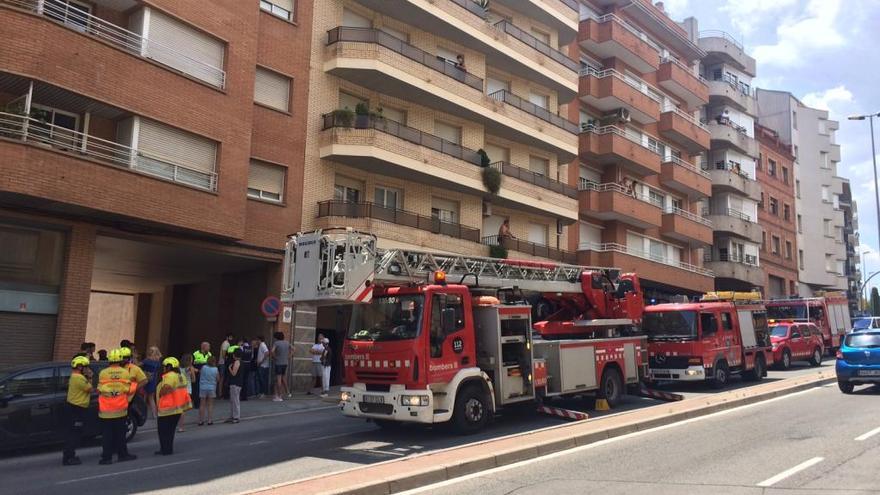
[
  {"x": 79, "y": 390},
  {"x": 114, "y": 383},
  {"x": 173, "y": 400},
  {"x": 138, "y": 377},
  {"x": 200, "y": 358}
]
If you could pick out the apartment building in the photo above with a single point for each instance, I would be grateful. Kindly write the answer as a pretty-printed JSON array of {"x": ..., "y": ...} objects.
[
  {"x": 731, "y": 162},
  {"x": 777, "y": 214},
  {"x": 150, "y": 167},
  {"x": 641, "y": 190},
  {"x": 851, "y": 243},
  {"x": 822, "y": 254}
]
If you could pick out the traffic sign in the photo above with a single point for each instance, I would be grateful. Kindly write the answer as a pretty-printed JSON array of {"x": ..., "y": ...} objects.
[{"x": 270, "y": 306}]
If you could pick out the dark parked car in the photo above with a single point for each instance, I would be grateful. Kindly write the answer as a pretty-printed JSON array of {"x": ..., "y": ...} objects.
[{"x": 32, "y": 399}]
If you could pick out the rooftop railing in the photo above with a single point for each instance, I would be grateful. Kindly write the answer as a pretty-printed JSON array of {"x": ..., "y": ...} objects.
[
  {"x": 531, "y": 248},
  {"x": 613, "y": 247},
  {"x": 530, "y": 108},
  {"x": 540, "y": 46},
  {"x": 715, "y": 33}
]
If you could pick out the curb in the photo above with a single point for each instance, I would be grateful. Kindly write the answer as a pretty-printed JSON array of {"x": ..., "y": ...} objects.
[{"x": 375, "y": 479}]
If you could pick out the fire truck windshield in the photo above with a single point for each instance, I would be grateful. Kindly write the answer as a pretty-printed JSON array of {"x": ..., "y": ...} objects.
[
  {"x": 788, "y": 311},
  {"x": 670, "y": 325},
  {"x": 387, "y": 318},
  {"x": 779, "y": 331}
]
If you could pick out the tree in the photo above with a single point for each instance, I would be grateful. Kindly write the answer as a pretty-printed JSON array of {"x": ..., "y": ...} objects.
[{"x": 875, "y": 302}]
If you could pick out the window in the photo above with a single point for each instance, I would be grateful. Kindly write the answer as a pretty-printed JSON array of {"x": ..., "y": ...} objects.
[
  {"x": 823, "y": 160},
  {"x": 678, "y": 203},
  {"x": 194, "y": 52},
  {"x": 794, "y": 119},
  {"x": 656, "y": 197},
  {"x": 800, "y": 224},
  {"x": 761, "y": 203},
  {"x": 785, "y": 175},
  {"x": 175, "y": 155},
  {"x": 786, "y": 212},
  {"x": 278, "y": 8},
  {"x": 54, "y": 126},
  {"x": 539, "y": 165},
  {"x": 396, "y": 33},
  {"x": 31, "y": 383},
  {"x": 350, "y": 101},
  {"x": 539, "y": 100},
  {"x": 797, "y": 188},
  {"x": 497, "y": 153},
  {"x": 444, "y": 210},
  {"x": 265, "y": 181},
  {"x": 388, "y": 197},
  {"x": 776, "y": 245},
  {"x": 351, "y": 19},
  {"x": 788, "y": 250},
  {"x": 774, "y": 206},
  {"x": 73, "y": 14},
  {"x": 763, "y": 241},
  {"x": 394, "y": 114},
  {"x": 538, "y": 234},
  {"x": 448, "y": 132},
  {"x": 771, "y": 167},
  {"x": 726, "y": 322},
  {"x": 439, "y": 303},
  {"x": 348, "y": 190},
  {"x": 541, "y": 36},
  {"x": 801, "y": 259},
  {"x": 272, "y": 89},
  {"x": 826, "y": 227},
  {"x": 708, "y": 324},
  {"x": 493, "y": 85},
  {"x": 829, "y": 262}
]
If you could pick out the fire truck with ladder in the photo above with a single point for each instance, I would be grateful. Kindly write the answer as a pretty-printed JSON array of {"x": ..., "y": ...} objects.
[
  {"x": 828, "y": 311},
  {"x": 723, "y": 334},
  {"x": 423, "y": 348}
]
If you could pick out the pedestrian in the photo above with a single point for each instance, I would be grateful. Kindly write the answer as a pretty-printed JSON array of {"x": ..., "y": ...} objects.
[
  {"x": 199, "y": 359},
  {"x": 152, "y": 367},
  {"x": 79, "y": 390},
  {"x": 87, "y": 349},
  {"x": 209, "y": 376},
  {"x": 114, "y": 383},
  {"x": 173, "y": 401},
  {"x": 247, "y": 357},
  {"x": 236, "y": 382},
  {"x": 189, "y": 375},
  {"x": 221, "y": 365},
  {"x": 262, "y": 366},
  {"x": 327, "y": 363},
  {"x": 102, "y": 355},
  {"x": 317, "y": 369},
  {"x": 281, "y": 352}
]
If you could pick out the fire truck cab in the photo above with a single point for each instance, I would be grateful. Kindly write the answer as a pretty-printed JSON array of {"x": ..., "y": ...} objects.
[{"x": 724, "y": 334}]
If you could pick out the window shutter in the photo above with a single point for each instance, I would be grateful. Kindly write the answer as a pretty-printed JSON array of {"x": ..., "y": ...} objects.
[
  {"x": 497, "y": 153},
  {"x": 350, "y": 19},
  {"x": 349, "y": 101},
  {"x": 284, "y": 4},
  {"x": 272, "y": 89},
  {"x": 448, "y": 132},
  {"x": 342, "y": 180},
  {"x": 266, "y": 177},
  {"x": 539, "y": 165},
  {"x": 177, "y": 147},
  {"x": 181, "y": 47},
  {"x": 538, "y": 233},
  {"x": 590, "y": 235}
]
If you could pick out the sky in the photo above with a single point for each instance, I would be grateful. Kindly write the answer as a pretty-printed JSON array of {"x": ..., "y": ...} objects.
[{"x": 825, "y": 53}]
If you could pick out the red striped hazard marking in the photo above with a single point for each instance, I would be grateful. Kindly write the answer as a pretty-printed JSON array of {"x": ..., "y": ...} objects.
[
  {"x": 656, "y": 394},
  {"x": 563, "y": 413}
]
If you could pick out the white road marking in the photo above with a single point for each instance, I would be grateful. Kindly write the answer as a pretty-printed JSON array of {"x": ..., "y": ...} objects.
[
  {"x": 148, "y": 468},
  {"x": 594, "y": 445},
  {"x": 789, "y": 472},
  {"x": 862, "y": 438},
  {"x": 259, "y": 442}
]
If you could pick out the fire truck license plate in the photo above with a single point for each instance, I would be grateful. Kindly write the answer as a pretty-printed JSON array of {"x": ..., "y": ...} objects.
[
  {"x": 374, "y": 399},
  {"x": 869, "y": 372}
]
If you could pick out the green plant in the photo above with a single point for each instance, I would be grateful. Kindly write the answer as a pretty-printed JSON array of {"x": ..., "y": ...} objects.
[
  {"x": 492, "y": 179},
  {"x": 497, "y": 251},
  {"x": 361, "y": 109},
  {"x": 343, "y": 117},
  {"x": 484, "y": 158}
]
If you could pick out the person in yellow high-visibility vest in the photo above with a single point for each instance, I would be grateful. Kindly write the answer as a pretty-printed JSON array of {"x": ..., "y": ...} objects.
[
  {"x": 114, "y": 382},
  {"x": 79, "y": 390},
  {"x": 173, "y": 400},
  {"x": 138, "y": 377}
]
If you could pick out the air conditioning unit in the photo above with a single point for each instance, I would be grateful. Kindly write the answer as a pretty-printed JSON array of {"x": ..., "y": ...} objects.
[{"x": 487, "y": 209}]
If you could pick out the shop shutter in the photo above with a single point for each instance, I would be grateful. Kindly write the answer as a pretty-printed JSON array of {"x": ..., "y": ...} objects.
[
  {"x": 184, "y": 48},
  {"x": 266, "y": 177},
  {"x": 272, "y": 89},
  {"x": 176, "y": 147}
]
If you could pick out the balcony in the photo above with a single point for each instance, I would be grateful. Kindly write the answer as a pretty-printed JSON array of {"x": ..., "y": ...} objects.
[
  {"x": 527, "y": 176},
  {"x": 742, "y": 271},
  {"x": 465, "y": 22},
  {"x": 386, "y": 147},
  {"x": 613, "y": 145},
  {"x": 614, "y": 202},
  {"x": 81, "y": 21},
  {"x": 610, "y": 36},
  {"x": 721, "y": 47},
  {"x": 395, "y": 68},
  {"x": 686, "y": 227},
  {"x": 734, "y": 222},
  {"x": 532, "y": 249},
  {"x": 653, "y": 268},
  {"x": 559, "y": 14},
  {"x": 403, "y": 218},
  {"x": 728, "y": 135},
  {"x": 727, "y": 91},
  {"x": 680, "y": 80},
  {"x": 834, "y": 155},
  {"x": 725, "y": 178},
  {"x": 686, "y": 178},
  {"x": 684, "y": 130},
  {"x": 609, "y": 90}
]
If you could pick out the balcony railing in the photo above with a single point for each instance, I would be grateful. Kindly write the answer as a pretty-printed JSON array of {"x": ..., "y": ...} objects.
[
  {"x": 540, "y": 46},
  {"x": 531, "y": 248},
  {"x": 635, "y": 138},
  {"x": 733, "y": 167},
  {"x": 690, "y": 216},
  {"x": 78, "y": 20},
  {"x": 714, "y": 33},
  {"x": 39, "y": 133},
  {"x": 739, "y": 86},
  {"x": 341, "y": 120},
  {"x": 686, "y": 164},
  {"x": 537, "y": 179},
  {"x": 727, "y": 212},
  {"x": 471, "y": 7},
  {"x": 572, "y": 4},
  {"x": 530, "y": 108},
  {"x": 588, "y": 185},
  {"x": 638, "y": 34},
  {"x": 747, "y": 259},
  {"x": 640, "y": 86},
  {"x": 368, "y": 35},
  {"x": 338, "y": 208},
  {"x": 613, "y": 247},
  {"x": 688, "y": 117}
]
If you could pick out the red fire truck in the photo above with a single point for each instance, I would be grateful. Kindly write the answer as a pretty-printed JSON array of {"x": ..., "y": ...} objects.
[
  {"x": 425, "y": 349},
  {"x": 828, "y": 311},
  {"x": 724, "y": 334}
]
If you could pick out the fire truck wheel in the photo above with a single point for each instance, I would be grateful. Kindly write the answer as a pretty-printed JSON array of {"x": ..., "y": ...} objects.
[
  {"x": 785, "y": 363},
  {"x": 846, "y": 387},
  {"x": 757, "y": 373},
  {"x": 471, "y": 410},
  {"x": 722, "y": 375},
  {"x": 611, "y": 388},
  {"x": 816, "y": 360}
]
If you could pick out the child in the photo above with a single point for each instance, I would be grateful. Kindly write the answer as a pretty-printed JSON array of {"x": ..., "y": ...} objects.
[
  {"x": 236, "y": 382},
  {"x": 188, "y": 373},
  {"x": 208, "y": 378}
]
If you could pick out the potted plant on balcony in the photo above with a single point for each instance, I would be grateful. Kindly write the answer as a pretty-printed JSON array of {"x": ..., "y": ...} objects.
[
  {"x": 484, "y": 158},
  {"x": 361, "y": 115},
  {"x": 492, "y": 179},
  {"x": 497, "y": 251},
  {"x": 342, "y": 118}
]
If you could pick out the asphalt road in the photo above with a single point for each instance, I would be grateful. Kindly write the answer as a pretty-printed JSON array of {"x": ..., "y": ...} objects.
[
  {"x": 816, "y": 441},
  {"x": 226, "y": 459}
]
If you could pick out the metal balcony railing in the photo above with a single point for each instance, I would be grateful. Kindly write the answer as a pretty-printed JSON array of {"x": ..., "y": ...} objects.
[
  {"x": 637, "y": 84},
  {"x": 338, "y": 208},
  {"x": 381, "y": 38},
  {"x": 588, "y": 185},
  {"x": 715, "y": 33},
  {"x": 572, "y": 4},
  {"x": 686, "y": 164},
  {"x": 531, "y": 248},
  {"x": 629, "y": 27},
  {"x": 741, "y": 87},
  {"x": 36, "y": 132},
  {"x": 688, "y": 117},
  {"x": 654, "y": 145},
  {"x": 534, "y": 178},
  {"x": 747, "y": 259},
  {"x": 690, "y": 216},
  {"x": 540, "y": 46},
  {"x": 471, "y": 7},
  {"x": 78, "y": 20},
  {"x": 532, "y": 109},
  {"x": 613, "y": 247},
  {"x": 733, "y": 167},
  {"x": 727, "y": 212}
]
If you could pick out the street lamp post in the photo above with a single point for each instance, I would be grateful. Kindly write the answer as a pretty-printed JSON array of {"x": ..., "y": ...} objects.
[{"x": 870, "y": 118}]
